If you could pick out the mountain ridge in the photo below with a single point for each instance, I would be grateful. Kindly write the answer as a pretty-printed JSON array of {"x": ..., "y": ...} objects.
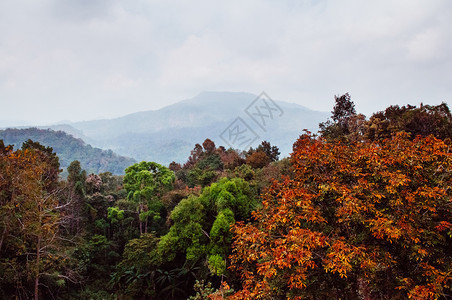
[
  {"x": 69, "y": 148},
  {"x": 169, "y": 133},
  {"x": 151, "y": 135}
]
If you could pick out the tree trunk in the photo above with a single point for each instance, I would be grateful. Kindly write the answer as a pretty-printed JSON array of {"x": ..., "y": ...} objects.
[
  {"x": 363, "y": 289},
  {"x": 38, "y": 257},
  {"x": 140, "y": 224},
  {"x": 3, "y": 235}
]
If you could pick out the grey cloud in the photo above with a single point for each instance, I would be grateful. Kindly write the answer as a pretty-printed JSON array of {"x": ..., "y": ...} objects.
[{"x": 115, "y": 57}]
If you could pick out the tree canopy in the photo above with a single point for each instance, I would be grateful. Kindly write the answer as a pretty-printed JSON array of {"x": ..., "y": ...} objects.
[
  {"x": 362, "y": 210},
  {"x": 367, "y": 219}
]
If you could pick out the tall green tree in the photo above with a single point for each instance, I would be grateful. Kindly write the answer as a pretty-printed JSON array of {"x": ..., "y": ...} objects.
[
  {"x": 75, "y": 208},
  {"x": 145, "y": 183},
  {"x": 199, "y": 232}
]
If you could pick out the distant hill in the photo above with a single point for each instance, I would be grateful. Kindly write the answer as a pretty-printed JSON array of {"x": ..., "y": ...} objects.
[
  {"x": 170, "y": 133},
  {"x": 68, "y": 149}
]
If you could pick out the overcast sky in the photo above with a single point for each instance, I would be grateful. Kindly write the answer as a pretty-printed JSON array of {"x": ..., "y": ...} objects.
[{"x": 87, "y": 59}]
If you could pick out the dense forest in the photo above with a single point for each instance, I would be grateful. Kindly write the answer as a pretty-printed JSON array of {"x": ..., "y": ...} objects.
[
  {"x": 361, "y": 210},
  {"x": 68, "y": 149}
]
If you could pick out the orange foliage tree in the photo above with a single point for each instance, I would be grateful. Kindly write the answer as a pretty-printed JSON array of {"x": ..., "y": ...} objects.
[
  {"x": 369, "y": 220},
  {"x": 29, "y": 226}
]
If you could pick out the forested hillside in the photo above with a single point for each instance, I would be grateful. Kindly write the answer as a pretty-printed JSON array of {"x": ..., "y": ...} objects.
[
  {"x": 68, "y": 149},
  {"x": 363, "y": 210}
]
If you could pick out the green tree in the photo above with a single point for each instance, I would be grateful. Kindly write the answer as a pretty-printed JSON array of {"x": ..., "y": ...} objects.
[
  {"x": 199, "y": 232},
  {"x": 203, "y": 166},
  {"x": 135, "y": 274},
  {"x": 76, "y": 209},
  {"x": 145, "y": 183}
]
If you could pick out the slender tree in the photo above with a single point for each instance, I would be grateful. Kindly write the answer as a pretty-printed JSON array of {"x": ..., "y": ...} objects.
[
  {"x": 145, "y": 183},
  {"x": 29, "y": 245}
]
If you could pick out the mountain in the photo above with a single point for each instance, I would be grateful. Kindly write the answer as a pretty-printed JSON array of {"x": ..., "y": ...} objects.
[
  {"x": 170, "y": 133},
  {"x": 69, "y": 148}
]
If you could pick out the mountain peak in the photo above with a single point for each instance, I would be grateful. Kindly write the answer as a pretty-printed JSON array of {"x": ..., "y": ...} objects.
[
  {"x": 171, "y": 132},
  {"x": 209, "y": 97},
  {"x": 223, "y": 94}
]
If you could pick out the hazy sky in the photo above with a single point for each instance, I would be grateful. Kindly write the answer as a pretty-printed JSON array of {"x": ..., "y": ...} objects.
[{"x": 87, "y": 59}]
